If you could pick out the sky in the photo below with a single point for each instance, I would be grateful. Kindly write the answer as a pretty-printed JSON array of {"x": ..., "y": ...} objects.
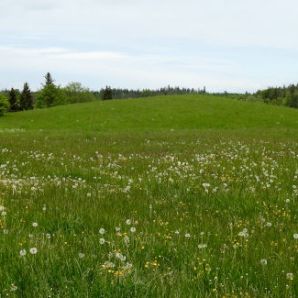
[{"x": 224, "y": 45}]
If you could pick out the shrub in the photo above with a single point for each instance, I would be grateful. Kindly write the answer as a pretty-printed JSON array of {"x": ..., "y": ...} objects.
[
  {"x": 74, "y": 92},
  {"x": 4, "y": 104}
]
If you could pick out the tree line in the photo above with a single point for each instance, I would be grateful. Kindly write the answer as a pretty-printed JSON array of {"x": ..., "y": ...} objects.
[
  {"x": 287, "y": 96},
  {"x": 118, "y": 93},
  {"x": 50, "y": 95}
]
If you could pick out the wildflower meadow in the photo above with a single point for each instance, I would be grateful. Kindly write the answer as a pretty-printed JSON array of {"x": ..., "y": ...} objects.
[{"x": 164, "y": 202}]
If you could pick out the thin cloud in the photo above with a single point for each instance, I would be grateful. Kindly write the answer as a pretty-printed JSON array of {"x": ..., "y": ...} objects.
[{"x": 231, "y": 40}]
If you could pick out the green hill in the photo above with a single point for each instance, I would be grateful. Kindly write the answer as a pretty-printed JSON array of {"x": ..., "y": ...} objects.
[{"x": 153, "y": 114}]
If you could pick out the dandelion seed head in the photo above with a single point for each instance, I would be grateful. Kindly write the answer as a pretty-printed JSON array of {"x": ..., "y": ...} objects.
[
  {"x": 102, "y": 231},
  {"x": 202, "y": 245},
  {"x": 263, "y": 262},
  {"x": 23, "y": 252},
  {"x": 81, "y": 255},
  {"x": 33, "y": 251},
  {"x": 290, "y": 276}
]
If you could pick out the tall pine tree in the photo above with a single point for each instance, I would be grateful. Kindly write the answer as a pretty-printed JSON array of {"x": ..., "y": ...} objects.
[
  {"x": 26, "y": 98},
  {"x": 13, "y": 100},
  {"x": 107, "y": 93},
  {"x": 49, "y": 79}
]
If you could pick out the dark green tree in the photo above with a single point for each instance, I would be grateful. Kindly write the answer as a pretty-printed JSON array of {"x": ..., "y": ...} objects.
[
  {"x": 49, "y": 79},
  {"x": 26, "y": 98},
  {"x": 14, "y": 100},
  {"x": 292, "y": 100},
  {"x": 107, "y": 93}
]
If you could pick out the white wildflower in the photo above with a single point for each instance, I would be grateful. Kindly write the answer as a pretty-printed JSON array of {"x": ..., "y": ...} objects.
[
  {"x": 126, "y": 240},
  {"x": 202, "y": 245},
  {"x": 13, "y": 288},
  {"x": 33, "y": 251},
  {"x": 23, "y": 252},
  {"x": 102, "y": 231},
  {"x": 263, "y": 262},
  {"x": 81, "y": 255},
  {"x": 290, "y": 276},
  {"x": 243, "y": 233}
]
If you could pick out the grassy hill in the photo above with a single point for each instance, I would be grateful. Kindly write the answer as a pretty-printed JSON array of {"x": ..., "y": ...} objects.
[
  {"x": 158, "y": 113},
  {"x": 184, "y": 196}
]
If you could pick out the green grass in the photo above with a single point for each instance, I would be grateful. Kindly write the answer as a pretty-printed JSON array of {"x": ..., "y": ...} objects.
[
  {"x": 152, "y": 114},
  {"x": 209, "y": 184}
]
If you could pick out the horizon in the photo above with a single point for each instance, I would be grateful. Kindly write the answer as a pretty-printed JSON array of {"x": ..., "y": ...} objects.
[{"x": 234, "y": 47}]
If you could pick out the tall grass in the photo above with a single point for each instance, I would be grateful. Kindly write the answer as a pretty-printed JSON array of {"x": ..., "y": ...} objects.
[{"x": 175, "y": 207}]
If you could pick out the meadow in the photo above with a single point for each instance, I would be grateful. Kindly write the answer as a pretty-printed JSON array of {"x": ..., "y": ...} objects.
[{"x": 178, "y": 196}]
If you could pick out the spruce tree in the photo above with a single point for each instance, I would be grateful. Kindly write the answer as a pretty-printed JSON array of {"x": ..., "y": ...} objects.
[
  {"x": 107, "y": 93},
  {"x": 49, "y": 79},
  {"x": 13, "y": 100},
  {"x": 26, "y": 98}
]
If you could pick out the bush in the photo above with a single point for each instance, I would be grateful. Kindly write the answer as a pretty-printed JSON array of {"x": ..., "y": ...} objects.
[
  {"x": 74, "y": 92},
  {"x": 49, "y": 96},
  {"x": 4, "y": 104}
]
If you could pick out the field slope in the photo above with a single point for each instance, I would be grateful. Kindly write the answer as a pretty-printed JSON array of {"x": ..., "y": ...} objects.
[
  {"x": 174, "y": 196},
  {"x": 172, "y": 112}
]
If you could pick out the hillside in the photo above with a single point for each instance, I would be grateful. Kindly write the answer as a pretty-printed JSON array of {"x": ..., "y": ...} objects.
[{"x": 158, "y": 113}]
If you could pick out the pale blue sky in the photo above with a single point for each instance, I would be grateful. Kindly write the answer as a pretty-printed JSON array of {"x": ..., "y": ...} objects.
[{"x": 229, "y": 45}]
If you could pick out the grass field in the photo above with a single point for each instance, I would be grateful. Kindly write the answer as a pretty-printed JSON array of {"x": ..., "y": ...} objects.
[{"x": 192, "y": 196}]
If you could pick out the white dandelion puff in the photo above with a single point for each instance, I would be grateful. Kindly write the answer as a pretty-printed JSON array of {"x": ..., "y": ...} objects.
[
  {"x": 290, "y": 276},
  {"x": 33, "y": 251},
  {"x": 263, "y": 262},
  {"x": 23, "y": 252},
  {"x": 102, "y": 231}
]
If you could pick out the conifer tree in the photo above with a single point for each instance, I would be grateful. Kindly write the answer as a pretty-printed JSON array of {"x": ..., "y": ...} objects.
[
  {"x": 13, "y": 100},
  {"x": 26, "y": 98},
  {"x": 107, "y": 93},
  {"x": 49, "y": 79}
]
